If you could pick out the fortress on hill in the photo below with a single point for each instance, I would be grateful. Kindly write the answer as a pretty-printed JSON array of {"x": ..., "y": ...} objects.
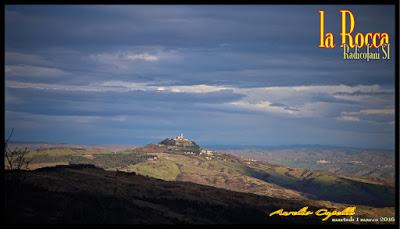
[{"x": 181, "y": 144}]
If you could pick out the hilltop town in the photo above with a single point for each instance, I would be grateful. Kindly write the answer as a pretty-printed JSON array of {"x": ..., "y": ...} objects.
[{"x": 178, "y": 145}]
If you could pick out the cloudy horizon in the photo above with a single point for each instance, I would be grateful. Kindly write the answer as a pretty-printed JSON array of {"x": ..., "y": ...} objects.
[{"x": 221, "y": 75}]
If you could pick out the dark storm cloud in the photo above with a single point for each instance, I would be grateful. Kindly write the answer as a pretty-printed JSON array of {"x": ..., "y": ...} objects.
[
  {"x": 109, "y": 103},
  {"x": 157, "y": 70}
]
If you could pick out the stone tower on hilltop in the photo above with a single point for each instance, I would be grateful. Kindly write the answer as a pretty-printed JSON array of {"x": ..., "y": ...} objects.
[{"x": 180, "y": 144}]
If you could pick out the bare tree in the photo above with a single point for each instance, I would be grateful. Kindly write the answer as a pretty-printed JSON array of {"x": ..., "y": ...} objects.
[{"x": 15, "y": 158}]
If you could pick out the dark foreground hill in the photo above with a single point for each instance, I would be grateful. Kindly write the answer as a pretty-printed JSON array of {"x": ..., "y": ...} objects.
[{"x": 86, "y": 194}]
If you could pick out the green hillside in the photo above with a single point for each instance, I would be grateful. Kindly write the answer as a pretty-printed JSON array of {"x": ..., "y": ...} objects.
[{"x": 227, "y": 172}]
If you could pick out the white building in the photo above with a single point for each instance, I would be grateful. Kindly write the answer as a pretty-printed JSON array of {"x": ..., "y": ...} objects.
[{"x": 180, "y": 137}]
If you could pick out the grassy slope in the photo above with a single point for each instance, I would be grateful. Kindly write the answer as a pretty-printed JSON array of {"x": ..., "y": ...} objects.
[
  {"x": 326, "y": 186},
  {"x": 265, "y": 179},
  {"x": 228, "y": 172},
  {"x": 162, "y": 169}
]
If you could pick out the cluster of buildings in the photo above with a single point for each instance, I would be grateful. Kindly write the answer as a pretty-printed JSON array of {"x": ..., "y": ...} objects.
[{"x": 180, "y": 144}]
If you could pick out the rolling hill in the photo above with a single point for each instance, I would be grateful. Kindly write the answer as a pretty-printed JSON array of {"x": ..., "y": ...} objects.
[
  {"x": 87, "y": 194},
  {"x": 230, "y": 173}
]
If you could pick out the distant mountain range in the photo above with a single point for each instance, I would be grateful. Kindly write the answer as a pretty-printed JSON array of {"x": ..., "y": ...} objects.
[
  {"x": 218, "y": 146},
  {"x": 294, "y": 146}
]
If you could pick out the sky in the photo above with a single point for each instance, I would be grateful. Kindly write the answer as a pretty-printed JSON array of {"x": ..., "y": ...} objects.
[{"x": 221, "y": 75}]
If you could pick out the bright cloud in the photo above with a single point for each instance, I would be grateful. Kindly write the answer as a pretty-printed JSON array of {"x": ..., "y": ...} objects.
[
  {"x": 347, "y": 118},
  {"x": 311, "y": 101},
  {"x": 118, "y": 86},
  {"x": 120, "y": 57},
  {"x": 374, "y": 115},
  {"x": 264, "y": 106},
  {"x": 142, "y": 56}
]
